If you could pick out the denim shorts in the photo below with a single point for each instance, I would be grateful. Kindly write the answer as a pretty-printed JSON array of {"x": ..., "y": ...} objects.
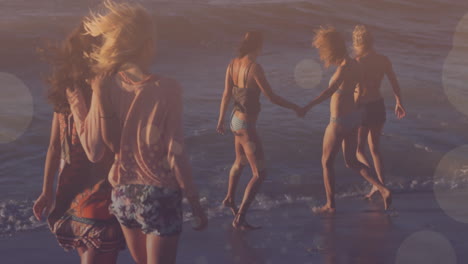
[{"x": 155, "y": 210}]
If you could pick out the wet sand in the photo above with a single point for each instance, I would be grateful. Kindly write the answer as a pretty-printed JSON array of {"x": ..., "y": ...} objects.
[{"x": 358, "y": 233}]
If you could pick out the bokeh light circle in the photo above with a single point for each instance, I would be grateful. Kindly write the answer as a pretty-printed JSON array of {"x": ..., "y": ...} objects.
[
  {"x": 451, "y": 184},
  {"x": 426, "y": 247},
  {"x": 150, "y": 135},
  {"x": 308, "y": 73},
  {"x": 454, "y": 77},
  {"x": 16, "y": 107},
  {"x": 461, "y": 32}
]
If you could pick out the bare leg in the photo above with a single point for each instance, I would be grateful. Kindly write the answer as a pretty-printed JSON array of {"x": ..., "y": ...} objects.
[
  {"x": 86, "y": 255},
  {"x": 92, "y": 256},
  {"x": 234, "y": 175},
  {"x": 350, "y": 143},
  {"x": 331, "y": 145},
  {"x": 106, "y": 258},
  {"x": 363, "y": 133},
  {"x": 374, "y": 146},
  {"x": 253, "y": 149},
  {"x": 162, "y": 249},
  {"x": 136, "y": 243},
  {"x": 81, "y": 251},
  {"x": 373, "y": 136}
]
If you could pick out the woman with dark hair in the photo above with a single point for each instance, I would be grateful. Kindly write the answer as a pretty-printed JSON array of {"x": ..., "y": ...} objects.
[
  {"x": 245, "y": 81},
  {"x": 344, "y": 114},
  {"x": 376, "y": 66},
  {"x": 80, "y": 218}
]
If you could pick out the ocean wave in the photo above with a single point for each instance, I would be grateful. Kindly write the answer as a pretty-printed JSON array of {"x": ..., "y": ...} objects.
[{"x": 16, "y": 216}]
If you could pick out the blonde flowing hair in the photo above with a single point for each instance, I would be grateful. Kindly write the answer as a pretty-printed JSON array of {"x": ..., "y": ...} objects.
[
  {"x": 331, "y": 45},
  {"x": 363, "y": 41},
  {"x": 126, "y": 30}
]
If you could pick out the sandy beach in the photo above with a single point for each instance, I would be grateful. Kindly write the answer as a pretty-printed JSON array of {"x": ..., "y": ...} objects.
[{"x": 359, "y": 233}]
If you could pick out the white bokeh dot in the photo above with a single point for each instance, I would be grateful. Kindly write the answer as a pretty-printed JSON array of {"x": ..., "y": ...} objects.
[
  {"x": 284, "y": 250},
  {"x": 16, "y": 107},
  {"x": 201, "y": 260},
  {"x": 426, "y": 247},
  {"x": 150, "y": 135},
  {"x": 176, "y": 148},
  {"x": 451, "y": 184},
  {"x": 308, "y": 73}
]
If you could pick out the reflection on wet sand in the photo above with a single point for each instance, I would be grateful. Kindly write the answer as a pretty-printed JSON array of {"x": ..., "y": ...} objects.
[
  {"x": 369, "y": 246},
  {"x": 240, "y": 249}
]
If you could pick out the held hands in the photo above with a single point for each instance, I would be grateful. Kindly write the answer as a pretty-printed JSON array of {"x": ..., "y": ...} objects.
[
  {"x": 301, "y": 111},
  {"x": 43, "y": 206},
  {"x": 400, "y": 111}
]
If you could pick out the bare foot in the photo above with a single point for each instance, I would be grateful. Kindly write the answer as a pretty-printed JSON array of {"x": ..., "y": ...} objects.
[
  {"x": 229, "y": 203},
  {"x": 371, "y": 193},
  {"x": 245, "y": 227},
  {"x": 241, "y": 224},
  {"x": 326, "y": 209},
  {"x": 387, "y": 198}
]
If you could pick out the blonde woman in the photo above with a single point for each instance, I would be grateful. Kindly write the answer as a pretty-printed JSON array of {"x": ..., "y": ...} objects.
[
  {"x": 140, "y": 120},
  {"x": 375, "y": 66},
  {"x": 344, "y": 114}
]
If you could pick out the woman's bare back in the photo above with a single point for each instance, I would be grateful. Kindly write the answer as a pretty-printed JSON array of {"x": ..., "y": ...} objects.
[
  {"x": 240, "y": 66},
  {"x": 342, "y": 101}
]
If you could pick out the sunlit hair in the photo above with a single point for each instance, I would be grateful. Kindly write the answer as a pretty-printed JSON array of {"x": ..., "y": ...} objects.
[
  {"x": 363, "y": 41},
  {"x": 71, "y": 67},
  {"x": 331, "y": 45},
  {"x": 126, "y": 29},
  {"x": 253, "y": 40}
]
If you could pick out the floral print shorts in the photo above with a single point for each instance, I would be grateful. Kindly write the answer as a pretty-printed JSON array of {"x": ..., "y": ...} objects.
[{"x": 154, "y": 210}]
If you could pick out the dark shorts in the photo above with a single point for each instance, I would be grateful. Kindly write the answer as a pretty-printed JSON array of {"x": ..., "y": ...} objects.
[
  {"x": 349, "y": 121},
  {"x": 374, "y": 113},
  {"x": 155, "y": 210}
]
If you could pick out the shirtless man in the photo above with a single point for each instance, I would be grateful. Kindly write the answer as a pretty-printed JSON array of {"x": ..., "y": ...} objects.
[{"x": 375, "y": 67}]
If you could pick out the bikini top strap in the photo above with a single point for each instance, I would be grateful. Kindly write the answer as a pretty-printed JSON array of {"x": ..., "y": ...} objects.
[
  {"x": 231, "y": 65},
  {"x": 246, "y": 76},
  {"x": 236, "y": 83}
]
